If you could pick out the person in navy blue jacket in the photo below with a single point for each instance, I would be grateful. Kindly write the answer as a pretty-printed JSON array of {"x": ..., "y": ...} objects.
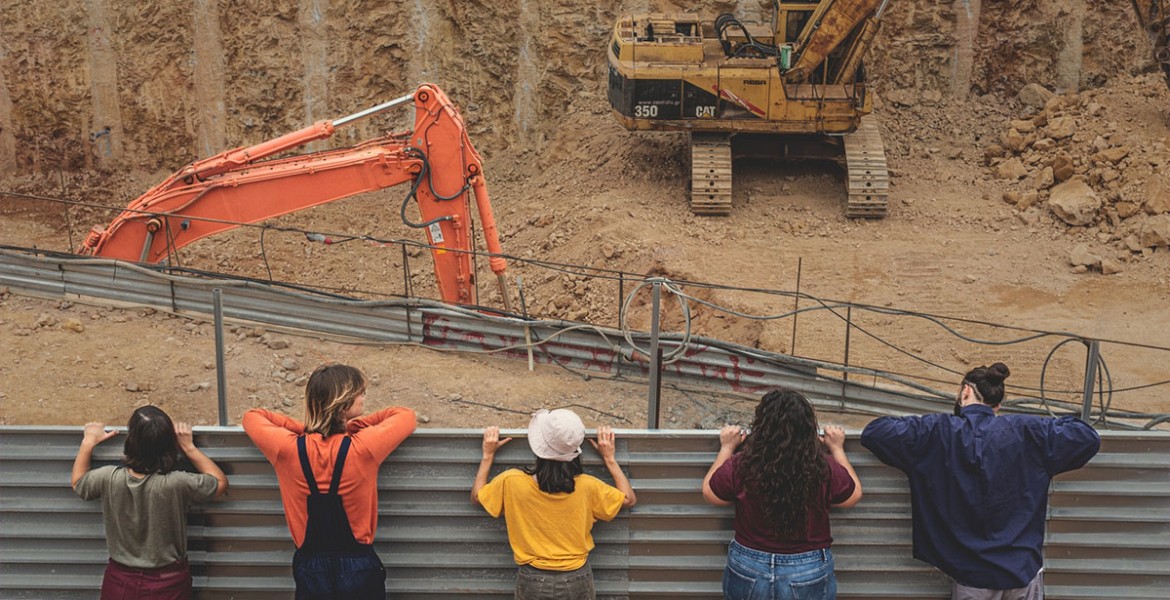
[{"x": 979, "y": 485}]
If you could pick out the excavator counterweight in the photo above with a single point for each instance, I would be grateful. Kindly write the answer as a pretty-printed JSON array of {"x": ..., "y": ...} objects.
[{"x": 239, "y": 187}]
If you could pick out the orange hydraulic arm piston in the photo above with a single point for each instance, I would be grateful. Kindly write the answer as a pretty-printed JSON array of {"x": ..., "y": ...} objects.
[{"x": 220, "y": 193}]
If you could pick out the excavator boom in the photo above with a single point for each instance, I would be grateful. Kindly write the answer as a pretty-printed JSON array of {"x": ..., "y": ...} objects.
[
  {"x": 830, "y": 25},
  {"x": 1154, "y": 17},
  {"x": 237, "y": 187}
]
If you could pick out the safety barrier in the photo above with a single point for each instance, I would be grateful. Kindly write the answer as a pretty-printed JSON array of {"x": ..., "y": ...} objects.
[
  {"x": 707, "y": 364},
  {"x": 1108, "y": 524}
]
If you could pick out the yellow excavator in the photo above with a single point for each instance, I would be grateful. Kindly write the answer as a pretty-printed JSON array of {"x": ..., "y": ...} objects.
[{"x": 794, "y": 88}]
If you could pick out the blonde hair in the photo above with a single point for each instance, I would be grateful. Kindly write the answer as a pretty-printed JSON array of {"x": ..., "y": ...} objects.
[{"x": 330, "y": 393}]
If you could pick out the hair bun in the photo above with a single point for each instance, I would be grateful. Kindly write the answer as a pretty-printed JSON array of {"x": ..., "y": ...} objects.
[{"x": 1000, "y": 370}]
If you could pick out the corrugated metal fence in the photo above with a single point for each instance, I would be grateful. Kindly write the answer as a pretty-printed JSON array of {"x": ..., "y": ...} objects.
[{"x": 1108, "y": 525}]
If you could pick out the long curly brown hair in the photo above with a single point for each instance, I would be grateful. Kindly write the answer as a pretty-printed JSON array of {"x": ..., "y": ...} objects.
[{"x": 782, "y": 465}]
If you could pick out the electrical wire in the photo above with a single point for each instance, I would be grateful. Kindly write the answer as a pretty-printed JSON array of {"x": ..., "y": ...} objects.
[
  {"x": 1104, "y": 377},
  {"x": 413, "y": 193},
  {"x": 264, "y": 254},
  {"x": 683, "y": 345}
]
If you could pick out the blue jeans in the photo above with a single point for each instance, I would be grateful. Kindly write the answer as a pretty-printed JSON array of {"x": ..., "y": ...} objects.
[{"x": 755, "y": 575}]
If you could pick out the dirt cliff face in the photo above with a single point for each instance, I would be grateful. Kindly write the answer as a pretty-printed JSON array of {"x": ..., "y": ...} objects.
[{"x": 151, "y": 86}]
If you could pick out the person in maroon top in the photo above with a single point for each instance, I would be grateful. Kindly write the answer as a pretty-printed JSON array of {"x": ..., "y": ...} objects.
[{"x": 782, "y": 482}]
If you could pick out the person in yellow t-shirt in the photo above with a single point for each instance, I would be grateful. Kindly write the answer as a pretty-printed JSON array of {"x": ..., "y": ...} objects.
[{"x": 550, "y": 508}]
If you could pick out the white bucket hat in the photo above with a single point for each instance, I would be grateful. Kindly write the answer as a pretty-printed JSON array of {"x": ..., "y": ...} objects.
[{"x": 556, "y": 435}]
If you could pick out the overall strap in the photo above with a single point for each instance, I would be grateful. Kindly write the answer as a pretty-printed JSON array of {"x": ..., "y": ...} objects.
[
  {"x": 340, "y": 466},
  {"x": 309, "y": 478},
  {"x": 337, "y": 468}
]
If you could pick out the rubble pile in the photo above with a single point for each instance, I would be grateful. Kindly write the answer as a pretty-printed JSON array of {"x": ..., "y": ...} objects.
[{"x": 1081, "y": 160}]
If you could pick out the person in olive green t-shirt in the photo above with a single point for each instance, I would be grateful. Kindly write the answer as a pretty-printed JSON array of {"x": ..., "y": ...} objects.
[
  {"x": 550, "y": 509},
  {"x": 145, "y": 502}
]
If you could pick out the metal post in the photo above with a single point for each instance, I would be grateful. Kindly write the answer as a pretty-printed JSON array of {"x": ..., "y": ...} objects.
[
  {"x": 1090, "y": 377},
  {"x": 848, "y": 330},
  {"x": 406, "y": 291},
  {"x": 795, "y": 307},
  {"x": 66, "y": 203},
  {"x": 621, "y": 294},
  {"x": 220, "y": 370},
  {"x": 655, "y": 359},
  {"x": 617, "y": 363},
  {"x": 527, "y": 329}
]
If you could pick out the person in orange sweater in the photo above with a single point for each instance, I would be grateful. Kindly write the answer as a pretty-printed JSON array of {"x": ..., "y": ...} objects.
[{"x": 338, "y": 450}]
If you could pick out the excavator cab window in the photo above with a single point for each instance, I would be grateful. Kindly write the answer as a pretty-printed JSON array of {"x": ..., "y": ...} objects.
[{"x": 796, "y": 21}]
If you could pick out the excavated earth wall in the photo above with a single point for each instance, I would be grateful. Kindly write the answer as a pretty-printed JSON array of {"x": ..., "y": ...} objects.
[{"x": 152, "y": 85}]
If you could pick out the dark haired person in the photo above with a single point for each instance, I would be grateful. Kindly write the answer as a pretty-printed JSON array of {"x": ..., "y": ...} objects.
[
  {"x": 782, "y": 482},
  {"x": 327, "y": 468},
  {"x": 550, "y": 508},
  {"x": 979, "y": 485},
  {"x": 145, "y": 502}
]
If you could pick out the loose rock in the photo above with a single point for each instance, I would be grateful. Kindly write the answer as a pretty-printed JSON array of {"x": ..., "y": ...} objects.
[
  {"x": 1080, "y": 255},
  {"x": 1155, "y": 232},
  {"x": 1074, "y": 202},
  {"x": 1035, "y": 95},
  {"x": 1011, "y": 169}
]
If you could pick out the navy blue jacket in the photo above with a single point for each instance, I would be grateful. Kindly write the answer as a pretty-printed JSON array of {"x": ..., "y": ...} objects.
[{"x": 979, "y": 486}]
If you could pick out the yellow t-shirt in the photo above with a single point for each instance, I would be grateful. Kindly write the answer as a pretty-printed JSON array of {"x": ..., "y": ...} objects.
[{"x": 550, "y": 531}]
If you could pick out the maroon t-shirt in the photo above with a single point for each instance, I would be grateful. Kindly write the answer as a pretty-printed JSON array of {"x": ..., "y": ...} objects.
[{"x": 751, "y": 529}]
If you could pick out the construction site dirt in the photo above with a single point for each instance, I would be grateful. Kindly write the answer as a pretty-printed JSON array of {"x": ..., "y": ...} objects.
[{"x": 1028, "y": 144}]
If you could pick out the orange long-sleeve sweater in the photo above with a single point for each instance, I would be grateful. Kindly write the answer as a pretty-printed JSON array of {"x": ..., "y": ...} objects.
[{"x": 374, "y": 437}]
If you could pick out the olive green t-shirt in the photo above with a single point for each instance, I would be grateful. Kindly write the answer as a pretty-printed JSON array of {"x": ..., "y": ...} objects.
[{"x": 146, "y": 518}]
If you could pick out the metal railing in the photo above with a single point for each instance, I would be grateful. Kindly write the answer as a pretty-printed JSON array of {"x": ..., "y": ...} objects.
[{"x": 696, "y": 362}]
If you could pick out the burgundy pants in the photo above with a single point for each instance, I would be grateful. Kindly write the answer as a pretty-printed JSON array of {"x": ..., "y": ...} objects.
[{"x": 172, "y": 582}]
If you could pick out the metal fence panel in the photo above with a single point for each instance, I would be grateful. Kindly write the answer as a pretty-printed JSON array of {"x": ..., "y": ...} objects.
[
  {"x": 1108, "y": 526},
  {"x": 707, "y": 364}
]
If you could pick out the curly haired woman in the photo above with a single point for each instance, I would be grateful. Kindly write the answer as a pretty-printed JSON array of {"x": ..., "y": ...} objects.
[{"x": 782, "y": 483}]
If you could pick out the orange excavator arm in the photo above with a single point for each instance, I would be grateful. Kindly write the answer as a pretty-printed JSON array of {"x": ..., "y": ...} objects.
[{"x": 237, "y": 186}]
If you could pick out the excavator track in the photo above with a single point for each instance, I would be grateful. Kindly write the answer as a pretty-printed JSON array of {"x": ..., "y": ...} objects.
[
  {"x": 710, "y": 174},
  {"x": 869, "y": 179}
]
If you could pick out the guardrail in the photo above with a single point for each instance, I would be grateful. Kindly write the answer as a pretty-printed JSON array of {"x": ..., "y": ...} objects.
[
  {"x": 1108, "y": 524},
  {"x": 707, "y": 363}
]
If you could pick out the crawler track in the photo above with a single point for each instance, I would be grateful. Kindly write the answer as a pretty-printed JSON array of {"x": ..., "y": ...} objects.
[
  {"x": 868, "y": 178},
  {"x": 710, "y": 174}
]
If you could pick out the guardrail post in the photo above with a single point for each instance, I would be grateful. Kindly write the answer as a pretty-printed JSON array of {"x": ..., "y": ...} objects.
[
  {"x": 848, "y": 330},
  {"x": 796, "y": 305},
  {"x": 220, "y": 369},
  {"x": 1091, "y": 360},
  {"x": 655, "y": 359}
]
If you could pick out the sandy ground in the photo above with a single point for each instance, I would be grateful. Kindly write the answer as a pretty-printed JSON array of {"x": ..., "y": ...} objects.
[{"x": 950, "y": 246}]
